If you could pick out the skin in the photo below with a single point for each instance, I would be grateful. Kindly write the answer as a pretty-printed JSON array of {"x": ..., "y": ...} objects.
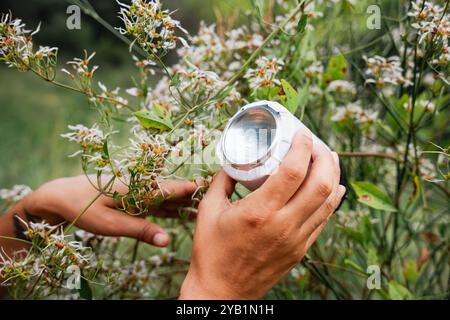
[
  {"x": 62, "y": 200},
  {"x": 240, "y": 249}
]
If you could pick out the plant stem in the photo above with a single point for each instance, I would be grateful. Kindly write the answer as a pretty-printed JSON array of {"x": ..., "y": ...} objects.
[
  {"x": 102, "y": 192},
  {"x": 238, "y": 74},
  {"x": 369, "y": 154}
]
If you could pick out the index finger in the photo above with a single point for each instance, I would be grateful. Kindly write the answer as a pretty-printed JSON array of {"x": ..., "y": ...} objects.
[{"x": 284, "y": 182}]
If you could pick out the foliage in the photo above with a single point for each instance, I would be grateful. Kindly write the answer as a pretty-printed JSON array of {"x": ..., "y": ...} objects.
[{"x": 380, "y": 98}]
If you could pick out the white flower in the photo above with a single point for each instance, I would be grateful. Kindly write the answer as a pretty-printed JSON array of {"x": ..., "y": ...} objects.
[
  {"x": 16, "y": 47},
  {"x": 354, "y": 112},
  {"x": 151, "y": 26},
  {"x": 382, "y": 71},
  {"x": 81, "y": 66},
  {"x": 314, "y": 69},
  {"x": 133, "y": 91},
  {"x": 428, "y": 105},
  {"x": 16, "y": 193},
  {"x": 84, "y": 135},
  {"x": 112, "y": 97},
  {"x": 351, "y": 218},
  {"x": 342, "y": 86},
  {"x": 264, "y": 74}
]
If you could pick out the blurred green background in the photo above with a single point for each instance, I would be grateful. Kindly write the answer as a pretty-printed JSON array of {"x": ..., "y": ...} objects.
[{"x": 34, "y": 113}]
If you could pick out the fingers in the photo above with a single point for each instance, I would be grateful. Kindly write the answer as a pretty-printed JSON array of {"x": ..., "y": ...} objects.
[
  {"x": 314, "y": 225},
  {"x": 285, "y": 181},
  {"x": 221, "y": 188},
  {"x": 109, "y": 222},
  {"x": 317, "y": 186},
  {"x": 177, "y": 190},
  {"x": 173, "y": 190}
]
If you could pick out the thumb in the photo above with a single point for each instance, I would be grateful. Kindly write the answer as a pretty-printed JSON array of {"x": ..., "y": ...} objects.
[{"x": 120, "y": 224}]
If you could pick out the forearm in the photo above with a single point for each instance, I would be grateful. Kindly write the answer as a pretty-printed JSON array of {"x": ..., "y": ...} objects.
[{"x": 11, "y": 229}]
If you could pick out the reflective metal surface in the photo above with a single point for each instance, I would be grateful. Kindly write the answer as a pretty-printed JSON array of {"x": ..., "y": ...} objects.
[{"x": 249, "y": 136}]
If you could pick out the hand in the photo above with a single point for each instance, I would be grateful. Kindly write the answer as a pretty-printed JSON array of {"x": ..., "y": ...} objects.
[
  {"x": 64, "y": 199},
  {"x": 243, "y": 249}
]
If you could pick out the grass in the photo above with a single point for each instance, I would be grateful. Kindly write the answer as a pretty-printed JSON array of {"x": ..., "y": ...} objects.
[{"x": 33, "y": 115}]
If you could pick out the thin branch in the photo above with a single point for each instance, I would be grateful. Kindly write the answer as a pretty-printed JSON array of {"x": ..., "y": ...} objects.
[{"x": 369, "y": 154}]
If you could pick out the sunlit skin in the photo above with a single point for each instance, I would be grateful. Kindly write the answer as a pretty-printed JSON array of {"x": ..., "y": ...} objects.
[{"x": 240, "y": 249}]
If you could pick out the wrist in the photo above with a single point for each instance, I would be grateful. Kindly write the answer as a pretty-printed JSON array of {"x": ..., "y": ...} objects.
[
  {"x": 195, "y": 289},
  {"x": 40, "y": 204}
]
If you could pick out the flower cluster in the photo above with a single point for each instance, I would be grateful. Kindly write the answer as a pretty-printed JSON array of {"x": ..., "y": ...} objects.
[
  {"x": 342, "y": 87},
  {"x": 314, "y": 70},
  {"x": 223, "y": 55},
  {"x": 93, "y": 143},
  {"x": 433, "y": 25},
  {"x": 16, "y": 48},
  {"x": 200, "y": 85},
  {"x": 382, "y": 71},
  {"x": 355, "y": 113},
  {"x": 264, "y": 75},
  {"x": 111, "y": 97},
  {"x": 151, "y": 26},
  {"x": 44, "y": 270},
  {"x": 82, "y": 71},
  {"x": 127, "y": 278},
  {"x": 351, "y": 218}
]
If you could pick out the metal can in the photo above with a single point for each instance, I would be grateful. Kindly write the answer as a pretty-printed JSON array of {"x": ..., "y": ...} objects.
[{"x": 255, "y": 141}]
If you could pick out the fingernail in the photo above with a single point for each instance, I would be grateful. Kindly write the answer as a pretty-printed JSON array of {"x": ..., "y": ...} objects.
[
  {"x": 160, "y": 239},
  {"x": 341, "y": 191},
  {"x": 335, "y": 157}
]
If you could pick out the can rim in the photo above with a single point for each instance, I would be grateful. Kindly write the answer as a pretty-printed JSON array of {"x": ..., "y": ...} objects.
[{"x": 258, "y": 162}]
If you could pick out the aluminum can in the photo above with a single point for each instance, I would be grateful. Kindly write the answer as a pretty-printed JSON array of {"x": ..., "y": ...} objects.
[{"x": 255, "y": 141}]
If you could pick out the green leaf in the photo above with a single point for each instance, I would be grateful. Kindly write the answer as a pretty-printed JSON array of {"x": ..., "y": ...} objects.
[
  {"x": 161, "y": 112},
  {"x": 303, "y": 100},
  {"x": 372, "y": 196},
  {"x": 151, "y": 121},
  {"x": 105, "y": 149},
  {"x": 175, "y": 81},
  {"x": 398, "y": 292},
  {"x": 85, "y": 290},
  {"x": 416, "y": 189},
  {"x": 372, "y": 258},
  {"x": 302, "y": 23},
  {"x": 382, "y": 294},
  {"x": 410, "y": 271},
  {"x": 366, "y": 229},
  {"x": 336, "y": 69},
  {"x": 384, "y": 130},
  {"x": 292, "y": 97},
  {"x": 353, "y": 265},
  {"x": 353, "y": 234},
  {"x": 258, "y": 5}
]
